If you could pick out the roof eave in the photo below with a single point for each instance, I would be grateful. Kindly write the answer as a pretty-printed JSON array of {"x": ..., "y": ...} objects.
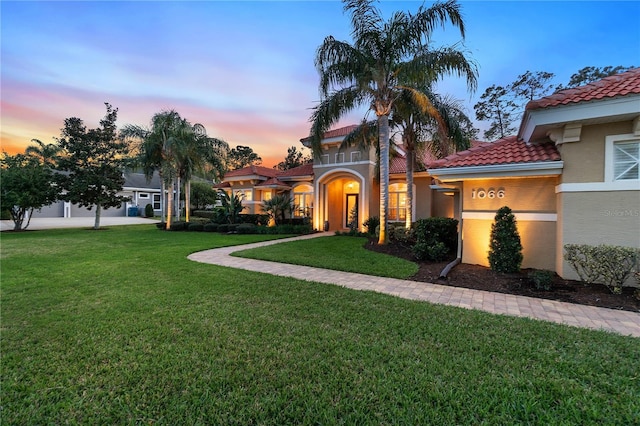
[
  {"x": 542, "y": 168},
  {"x": 537, "y": 122}
]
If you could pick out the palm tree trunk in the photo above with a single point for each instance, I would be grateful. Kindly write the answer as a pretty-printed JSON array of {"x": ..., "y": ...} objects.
[
  {"x": 411, "y": 154},
  {"x": 177, "y": 202},
  {"x": 383, "y": 138},
  {"x": 162, "y": 198},
  {"x": 187, "y": 199},
  {"x": 96, "y": 224},
  {"x": 169, "y": 206}
]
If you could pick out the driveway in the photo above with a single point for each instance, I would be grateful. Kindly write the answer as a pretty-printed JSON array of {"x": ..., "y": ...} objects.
[{"x": 75, "y": 222}]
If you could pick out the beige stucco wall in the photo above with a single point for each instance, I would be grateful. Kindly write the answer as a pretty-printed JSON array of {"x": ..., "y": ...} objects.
[
  {"x": 531, "y": 200},
  {"x": 584, "y": 160},
  {"x": 597, "y": 218},
  {"x": 520, "y": 194},
  {"x": 441, "y": 205},
  {"x": 331, "y": 151},
  {"x": 537, "y": 238}
]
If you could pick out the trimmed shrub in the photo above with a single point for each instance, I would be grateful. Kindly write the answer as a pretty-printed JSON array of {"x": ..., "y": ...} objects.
[
  {"x": 541, "y": 279},
  {"x": 178, "y": 226},
  {"x": 256, "y": 219},
  {"x": 611, "y": 265},
  {"x": 223, "y": 227},
  {"x": 195, "y": 227},
  {"x": 430, "y": 251},
  {"x": 246, "y": 228},
  {"x": 443, "y": 229},
  {"x": 209, "y": 214},
  {"x": 148, "y": 210},
  {"x": 435, "y": 238},
  {"x": 210, "y": 227},
  {"x": 505, "y": 248},
  {"x": 371, "y": 224}
]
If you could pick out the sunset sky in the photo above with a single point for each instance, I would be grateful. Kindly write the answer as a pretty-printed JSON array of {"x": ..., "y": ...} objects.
[{"x": 245, "y": 69}]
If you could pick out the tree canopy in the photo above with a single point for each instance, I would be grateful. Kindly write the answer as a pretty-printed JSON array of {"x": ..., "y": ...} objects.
[
  {"x": 92, "y": 161},
  {"x": 503, "y": 106},
  {"x": 293, "y": 159},
  {"x": 242, "y": 156},
  {"x": 28, "y": 184}
]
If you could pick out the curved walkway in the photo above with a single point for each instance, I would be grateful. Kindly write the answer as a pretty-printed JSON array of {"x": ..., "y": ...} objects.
[{"x": 623, "y": 322}]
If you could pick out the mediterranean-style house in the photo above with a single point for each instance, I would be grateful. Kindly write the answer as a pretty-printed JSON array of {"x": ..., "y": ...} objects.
[{"x": 570, "y": 175}]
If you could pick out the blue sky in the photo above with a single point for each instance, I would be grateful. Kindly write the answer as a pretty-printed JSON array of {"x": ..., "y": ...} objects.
[{"x": 245, "y": 69}]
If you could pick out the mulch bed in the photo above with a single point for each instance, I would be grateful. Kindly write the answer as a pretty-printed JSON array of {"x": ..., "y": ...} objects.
[{"x": 483, "y": 278}]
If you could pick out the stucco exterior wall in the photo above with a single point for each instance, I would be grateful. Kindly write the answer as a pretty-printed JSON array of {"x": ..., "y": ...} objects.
[
  {"x": 537, "y": 238},
  {"x": 597, "y": 218},
  {"x": 533, "y": 201},
  {"x": 520, "y": 194},
  {"x": 441, "y": 205},
  {"x": 584, "y": 160}
]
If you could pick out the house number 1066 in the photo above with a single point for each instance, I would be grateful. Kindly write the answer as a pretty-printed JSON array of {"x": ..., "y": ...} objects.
[{"x": 481, "y": 193}]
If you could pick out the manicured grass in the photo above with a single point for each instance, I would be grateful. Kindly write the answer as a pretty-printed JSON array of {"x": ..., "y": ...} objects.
[
  {"x": 340, "y": 253},
  {"x": 118, "y": 327}
]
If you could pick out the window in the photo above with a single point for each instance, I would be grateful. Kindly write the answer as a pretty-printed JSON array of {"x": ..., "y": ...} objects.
[
  {"x": 324, "y": 158},
  {"x": 248, "y": 194},
  {"x": 266, "y": 195},
  {"x": 397, "y": 202},
  {"x": 355, "y": 156},
  {"x": 143, "y": 195},
  {"x": 340, "y": 157},
  {"x": 156, "y": 201},
  {"x": 622, "y": 159},
  {"x": 626, "y": 158},
  {"x": 303, "y": 201}
]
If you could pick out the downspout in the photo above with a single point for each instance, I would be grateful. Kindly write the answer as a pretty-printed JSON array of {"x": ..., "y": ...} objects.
[{"x": 458, "y": 259}]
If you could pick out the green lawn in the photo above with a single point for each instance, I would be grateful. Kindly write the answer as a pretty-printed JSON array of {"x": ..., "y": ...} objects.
[
  {"x": 339, "y": 253},
  {"x": 118, "y": 327}
]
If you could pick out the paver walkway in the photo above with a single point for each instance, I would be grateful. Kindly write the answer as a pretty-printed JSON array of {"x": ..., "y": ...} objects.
[{"x": 623, "y": 322}]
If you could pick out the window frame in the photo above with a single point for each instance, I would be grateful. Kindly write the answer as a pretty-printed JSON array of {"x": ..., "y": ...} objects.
[{"x": 611, "y": 141}]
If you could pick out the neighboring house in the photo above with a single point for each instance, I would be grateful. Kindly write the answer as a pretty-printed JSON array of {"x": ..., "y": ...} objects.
[
  {"x": 570, "y": 176},
  {"x": 140, "y": 191}
]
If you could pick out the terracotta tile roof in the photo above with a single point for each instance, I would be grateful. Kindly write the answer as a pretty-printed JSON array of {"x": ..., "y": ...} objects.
[
  {"x": 397, "y": 165},
  {"x": 252, "y": 170},
  {"x": 609, "y": 87},
  {"x": 222, "y": 185},
  {"x": 274, "y": 182},
  {"x": 342, "y": 131},
  {"x": 304, "y": 170},
  {"x": 504, "y": 151}
]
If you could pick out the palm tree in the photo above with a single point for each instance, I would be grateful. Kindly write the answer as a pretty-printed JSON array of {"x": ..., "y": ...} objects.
[
  {"x": 432, "y": 126},
  {"x": 277, "y": 206},
  {"x": 157, "y": 151},
  {"x": 46, "y": 154},
  {"x": 385, "y": 59},
  {"x": 197, "y": 152}
]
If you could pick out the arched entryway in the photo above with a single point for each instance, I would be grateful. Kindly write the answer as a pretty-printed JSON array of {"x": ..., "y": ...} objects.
[{"x": 341, "y": 196}]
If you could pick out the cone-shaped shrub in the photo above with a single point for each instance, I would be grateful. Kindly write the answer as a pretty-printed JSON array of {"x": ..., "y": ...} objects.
[{"x": 505, "y": 249}]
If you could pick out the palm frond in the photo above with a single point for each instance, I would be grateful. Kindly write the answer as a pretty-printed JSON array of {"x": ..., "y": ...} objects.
[{"x": 328, "y": 113}]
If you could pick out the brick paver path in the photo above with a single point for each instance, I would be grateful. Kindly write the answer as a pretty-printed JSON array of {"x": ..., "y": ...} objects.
[{"x": 623, "y": 322}]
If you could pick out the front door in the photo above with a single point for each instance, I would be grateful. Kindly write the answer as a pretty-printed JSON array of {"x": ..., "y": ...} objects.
[{"x": 351, "y": 207}]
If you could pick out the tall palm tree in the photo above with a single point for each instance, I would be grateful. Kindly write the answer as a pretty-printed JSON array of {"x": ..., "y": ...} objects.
[
  {"x": 386, "y": 58},
  {"x": 157, "y": 150},
  {"x": 198, "y": 152}
]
